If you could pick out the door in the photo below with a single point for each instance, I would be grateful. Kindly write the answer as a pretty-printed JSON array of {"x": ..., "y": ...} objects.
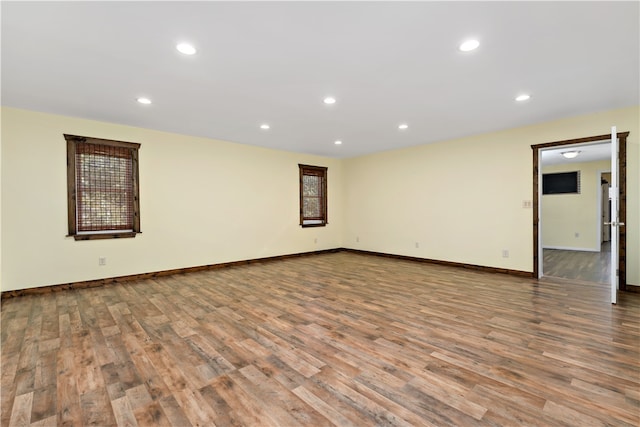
[{"x": 614, "y": 197}]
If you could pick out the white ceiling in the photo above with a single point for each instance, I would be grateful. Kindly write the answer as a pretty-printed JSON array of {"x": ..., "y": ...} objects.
[
  {"x": 591, "y": 152},
  {"x": 385, "y": 62}
]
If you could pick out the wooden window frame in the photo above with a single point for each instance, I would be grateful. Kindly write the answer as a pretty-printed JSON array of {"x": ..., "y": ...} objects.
[
  {"x": 72, "y": 141},
  {"x": 320, "y": 171}
]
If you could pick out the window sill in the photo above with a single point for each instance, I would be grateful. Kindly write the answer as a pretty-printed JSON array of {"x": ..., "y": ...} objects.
[
  {"x": 97, "y": 236},
  {"x": 313, "y": 225}
]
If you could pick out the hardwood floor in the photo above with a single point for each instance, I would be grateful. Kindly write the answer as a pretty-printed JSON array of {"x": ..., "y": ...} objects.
[
  {"x": 579, "y": 265},
  {"x": 337, "y": 339}
]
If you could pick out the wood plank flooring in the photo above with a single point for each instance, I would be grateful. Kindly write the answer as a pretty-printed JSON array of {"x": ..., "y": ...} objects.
[
  {"x": 579, "y": 265},
  {"x": 338, "y": 339}
]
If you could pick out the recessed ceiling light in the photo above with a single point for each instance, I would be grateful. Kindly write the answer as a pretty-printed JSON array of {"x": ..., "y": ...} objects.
[
  {"x": 338, "y": 142},
  {"x": 329, "y": 100},
  {"x": 469, "y": 45},
  {"x": 145, "y": 101},
  {"x": 186, "y": 48},
  {"x": 522, "y": 97},
  {"x": 264, "y": 126},
  {"x": 403, "y": 126}
]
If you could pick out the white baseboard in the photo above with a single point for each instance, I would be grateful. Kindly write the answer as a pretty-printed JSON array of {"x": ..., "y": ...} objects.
[{"x": 568, "y": 248}]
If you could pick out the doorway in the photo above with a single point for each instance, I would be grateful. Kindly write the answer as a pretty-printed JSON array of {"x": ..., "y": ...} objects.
[
  {"x": 571, "y": 216},
  {"x": 537, "y": 149},
  {"x": 605, "y": 207}
]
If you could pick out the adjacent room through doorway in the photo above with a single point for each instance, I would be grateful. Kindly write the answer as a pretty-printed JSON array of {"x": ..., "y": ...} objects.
[{"x": 572, "y": 211}]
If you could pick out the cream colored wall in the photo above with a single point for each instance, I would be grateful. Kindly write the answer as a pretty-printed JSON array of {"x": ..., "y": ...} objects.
[
  {"x": 202, "y": 202},
  {"x": 1, "y": 240},
  {"x": 462, "y": 200},
  {"x": 565, "y": 215},
  {"x": 205, "y": 201}
]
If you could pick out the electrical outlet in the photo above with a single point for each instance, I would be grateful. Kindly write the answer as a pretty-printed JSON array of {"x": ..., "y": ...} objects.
[
  {"x": 527, "y": 204},
  {"x": 315, "y": 240},
  {"x": 102, "y": 261},
  {"x": 417, "y": 245},
  {"x": 357, "y": 239},
  {"x": 577, "y": 234},
  {"x": 505, "y": 253}
]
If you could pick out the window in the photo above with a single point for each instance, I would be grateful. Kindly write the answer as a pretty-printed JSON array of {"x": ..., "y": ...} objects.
[
  {"x": 561, "y": 183},
  {"x": 313, "y": 196},
  {"x": 103, "y": 191}
]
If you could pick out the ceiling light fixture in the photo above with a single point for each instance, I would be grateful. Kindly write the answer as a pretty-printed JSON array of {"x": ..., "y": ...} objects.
[
  {"x": 403, "y": 126},
  {"x": 186, "y": 48},
  {"x": 338, "y": 142},
  {"x": 522, "y": 97},
  {"x": 570, "y": 154},
  {"x": 469, "y": 45},
  {"x": 265, "y": 126},
  {"x": 145, "y": 101},
  {"x": 329, "y": 100}
]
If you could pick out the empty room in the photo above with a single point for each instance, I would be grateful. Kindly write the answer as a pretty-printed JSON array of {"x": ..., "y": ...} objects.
[{"x": 320, "y": 213}]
